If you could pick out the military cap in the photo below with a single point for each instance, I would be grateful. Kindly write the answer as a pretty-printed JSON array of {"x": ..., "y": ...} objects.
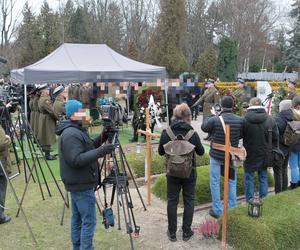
[
  {"x": 240, "y": 80},
  {"x": 292, "y": 82},
  {"x": 58, "y": 90},
  {"x": 210, "y": 81},
  {"x": 43, "y": 86}
]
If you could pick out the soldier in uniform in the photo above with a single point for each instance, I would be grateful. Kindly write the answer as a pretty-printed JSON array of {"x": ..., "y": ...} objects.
[
  {"x": 4, "y": 153},
  {"x": 36, "y": 113},
  {"x": 210, "y": 97},
  {"x": 59, "y": 103},
  {"x": 291, "y": 93},
  {"x": 47, "y": 122},
  {"x": 240, "y": 97}
]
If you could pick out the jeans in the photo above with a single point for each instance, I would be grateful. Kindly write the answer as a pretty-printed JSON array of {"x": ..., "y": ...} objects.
[
  {"x": 174, "y": 186},
  {"x": 294, "y": 162},
  {"x": 83, "y": 222},
  {"x": 249, "y": 184},
  {"x": 215, "y": 173},
  {"x": 3, "y": 187},
  {"x": 281, "y": 176}
]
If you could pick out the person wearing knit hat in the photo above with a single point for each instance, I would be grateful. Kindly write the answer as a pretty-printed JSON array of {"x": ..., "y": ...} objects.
[
  {"x": 79, "y": 155},
  {"x": 59, "y": 103},
  {"x": 213, "y": 126}
]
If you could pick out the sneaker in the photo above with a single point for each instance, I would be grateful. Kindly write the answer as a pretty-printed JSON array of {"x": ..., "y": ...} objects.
[
  {"x": 213, "y": 214},
  {"x": 5, "y": 219},
  {"x": 187, "y": 236},
  {"x": 171, "y": 237}
]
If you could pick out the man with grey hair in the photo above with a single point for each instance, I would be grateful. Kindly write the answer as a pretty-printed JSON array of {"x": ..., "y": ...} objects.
[{"x": 256, "y": 141}]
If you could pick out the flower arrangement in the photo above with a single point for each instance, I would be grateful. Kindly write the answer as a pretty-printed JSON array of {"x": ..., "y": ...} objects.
[{"x": 155, "y": 108}]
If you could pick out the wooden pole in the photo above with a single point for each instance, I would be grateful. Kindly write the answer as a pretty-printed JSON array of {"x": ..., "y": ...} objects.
[
  {"x": 226, "y": 177},
  {"x": 148, "y": 155}
]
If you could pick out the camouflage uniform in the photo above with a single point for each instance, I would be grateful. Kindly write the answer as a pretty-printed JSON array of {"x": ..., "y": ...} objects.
[{"x": 210, "y": 97}]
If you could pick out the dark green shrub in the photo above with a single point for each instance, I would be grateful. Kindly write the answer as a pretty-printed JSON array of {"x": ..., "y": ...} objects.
[
  {"x": 203, "y": 194},
  {"x": 278, "y": 228},
  {"x": 137, "y": 163}
]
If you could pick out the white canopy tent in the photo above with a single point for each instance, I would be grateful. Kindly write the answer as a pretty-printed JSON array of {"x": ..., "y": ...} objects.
[
  {"x": 80, "y": 63},
  {"x": 86, "y": 63}
]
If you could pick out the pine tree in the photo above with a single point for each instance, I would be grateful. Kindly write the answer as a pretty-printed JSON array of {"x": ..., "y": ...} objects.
[
  {"x": 207, "y": 64},
  {"x": 293, "y": 52},
  {"x": 166, "y": 44},
  {"x": 227, "y": 66}
]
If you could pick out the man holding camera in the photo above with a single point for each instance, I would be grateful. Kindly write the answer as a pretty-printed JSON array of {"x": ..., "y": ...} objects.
[
  {"x": 4, "y": 153},
  {"x": 79, "y": 171}
]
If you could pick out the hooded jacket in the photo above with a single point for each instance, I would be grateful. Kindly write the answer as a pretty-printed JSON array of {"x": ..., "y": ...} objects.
[
  {"x": 78, "y": 155},
  {"x": 181, "y": 128},
  {"x": 255, "y": 137}
]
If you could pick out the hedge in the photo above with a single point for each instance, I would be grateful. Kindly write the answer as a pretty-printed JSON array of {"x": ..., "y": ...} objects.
[
  {"x": 278, "y": 228},
  {"x": 203, "y": 194},
  {"x": 137, "y": 163}
]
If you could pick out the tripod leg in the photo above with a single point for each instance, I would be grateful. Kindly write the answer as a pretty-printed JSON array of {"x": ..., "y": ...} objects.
[
  {"x": 64, "y": 209},
  {"x": 125, "y": 163},
  {"x": 20, "y": 205}
]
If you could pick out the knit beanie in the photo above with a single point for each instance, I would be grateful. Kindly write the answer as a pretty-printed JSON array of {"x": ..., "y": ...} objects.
[
  {"x": 285, "y": 105},
  {"x": 227, "y": 102},
  {"x": 72, "y": 106}
]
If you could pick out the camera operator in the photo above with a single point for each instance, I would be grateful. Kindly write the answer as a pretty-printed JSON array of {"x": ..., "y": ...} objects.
[
  {"x": 4, "y": 153},
  {"x": 79, "y": 171}
]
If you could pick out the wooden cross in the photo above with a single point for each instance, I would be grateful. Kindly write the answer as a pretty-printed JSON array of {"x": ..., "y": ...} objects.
[
  {"x": 148, "y": 151},
  {"x": 227, "y": 149}
]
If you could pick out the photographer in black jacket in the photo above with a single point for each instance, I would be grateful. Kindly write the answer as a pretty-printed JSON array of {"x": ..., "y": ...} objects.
[{"x": 79, "y": 171}]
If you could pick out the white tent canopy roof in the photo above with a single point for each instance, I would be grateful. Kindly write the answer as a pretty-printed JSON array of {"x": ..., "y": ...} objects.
[{"x": 86, "y": 63}]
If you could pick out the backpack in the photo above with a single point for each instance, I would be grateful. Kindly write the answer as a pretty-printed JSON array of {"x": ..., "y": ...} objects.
[
  {"x": 179, "y": 154},
  {"x": 291, "y": 133}
]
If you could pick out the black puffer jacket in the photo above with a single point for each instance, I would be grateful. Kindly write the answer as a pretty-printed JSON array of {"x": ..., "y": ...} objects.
[
  {"x": 214, "y": 126},
  {"x": 78, "y": 157},
  {"x": 181, "y": 128},
  {"x": 255, "y": 137},
  {"x": 281, "y": 120}
]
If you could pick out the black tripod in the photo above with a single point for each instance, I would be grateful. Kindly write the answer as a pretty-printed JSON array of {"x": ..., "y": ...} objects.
[{"x": 118, "y": 178}]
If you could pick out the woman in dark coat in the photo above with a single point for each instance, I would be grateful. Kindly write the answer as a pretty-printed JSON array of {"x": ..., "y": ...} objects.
[{"x": 181, "y": 125}]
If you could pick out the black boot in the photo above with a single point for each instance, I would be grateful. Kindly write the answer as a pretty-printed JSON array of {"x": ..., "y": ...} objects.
[
  {"x": 49, "y": 157},
  {"x": 293, "y": 186},
  {"x": 298, "y": 183}
]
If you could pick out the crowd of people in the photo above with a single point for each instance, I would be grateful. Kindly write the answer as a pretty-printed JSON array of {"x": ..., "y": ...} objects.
[{"x": 253, "y": 129}]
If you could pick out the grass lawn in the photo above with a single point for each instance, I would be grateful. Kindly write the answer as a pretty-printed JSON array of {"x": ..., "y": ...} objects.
[{"x": 44, "y": 217}]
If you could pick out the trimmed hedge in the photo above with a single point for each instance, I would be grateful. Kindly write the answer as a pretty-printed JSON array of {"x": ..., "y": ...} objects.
[
  {"x": 278, "y": 228},
  {"x": 203, "y": 194},
  {"x": 137, "y": 162}
]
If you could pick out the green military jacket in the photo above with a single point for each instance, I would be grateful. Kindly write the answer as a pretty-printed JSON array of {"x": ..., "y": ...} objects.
[
  {"x": 241, "y": 100},
  {"x": 59, "y": 107},
  {"x": 210, "y": 97},
  {"x": 47, "y": 121},
  {"x": 4, "y": 148}
]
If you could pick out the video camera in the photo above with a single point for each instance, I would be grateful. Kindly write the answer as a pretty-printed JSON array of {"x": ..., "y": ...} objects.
[{"x": 11, "y": 94}]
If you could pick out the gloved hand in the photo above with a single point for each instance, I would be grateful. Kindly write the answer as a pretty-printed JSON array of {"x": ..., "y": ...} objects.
[{"x": 105, "y": 149}]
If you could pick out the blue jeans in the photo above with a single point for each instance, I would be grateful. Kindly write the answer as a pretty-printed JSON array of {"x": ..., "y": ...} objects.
[
  {"x": 83, "y": 222},
  {"x": 294, "y": 162},
  {"x": 249, "y": 184},
  {"x": 215, "y": 173}
]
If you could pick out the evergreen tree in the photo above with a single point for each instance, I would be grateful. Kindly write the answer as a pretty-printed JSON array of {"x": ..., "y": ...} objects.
[
  {"x": 68, "y": 12},
  {"x": 227, "y": 66},
  {"x": 28, "y": 43},
  {"x": 166, "y": 45},
  {"x": 207, "y": 64},
  {"x": 49, "y": 29},
  {"x": 293, "y": 52},
  {"x": 279, "y": 59}
]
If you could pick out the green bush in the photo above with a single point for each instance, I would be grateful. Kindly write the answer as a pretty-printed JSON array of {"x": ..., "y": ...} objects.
[
  {"x": 278, "y": 228},
  {"x": 137, "y": 163},
  {"x": 203, "y": 194}
]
